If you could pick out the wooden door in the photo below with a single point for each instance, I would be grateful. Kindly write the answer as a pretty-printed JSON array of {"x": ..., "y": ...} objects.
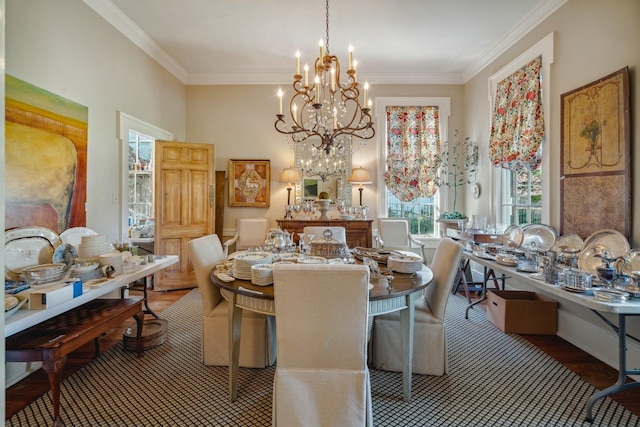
[{"x": 184, "y": 197}]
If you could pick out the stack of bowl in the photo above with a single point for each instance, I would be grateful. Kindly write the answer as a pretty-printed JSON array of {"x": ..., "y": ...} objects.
[
  {"x": 91, "y": 247},
  {"x": 114, "y": 259}
]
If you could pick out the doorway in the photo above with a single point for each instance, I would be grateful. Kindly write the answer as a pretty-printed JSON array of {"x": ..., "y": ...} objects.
[{"x": 137, "y": 139}]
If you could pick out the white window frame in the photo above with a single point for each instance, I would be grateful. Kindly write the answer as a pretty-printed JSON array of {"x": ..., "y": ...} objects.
[
  {"x": 444, "y": 107},
  {"x": 542, "y": 48},
  {"x": 124, "y": 123}
]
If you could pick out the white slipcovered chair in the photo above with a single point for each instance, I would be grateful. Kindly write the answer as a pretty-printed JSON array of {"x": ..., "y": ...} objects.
[
  {"x": 393, "y": 233},
  {"x": 257, "y": 347},
  {"x": 429, "y": 339},
  {"x": 249, "y": 232},
  {"x": 321, "y": 376},
  {"x": 338, "y": 233}
]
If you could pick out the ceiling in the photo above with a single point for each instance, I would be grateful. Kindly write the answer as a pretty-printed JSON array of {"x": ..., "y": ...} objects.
[{"x": 254, "y": 41}]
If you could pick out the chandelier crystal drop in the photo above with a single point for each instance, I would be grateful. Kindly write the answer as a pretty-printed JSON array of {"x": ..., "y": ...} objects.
[
  {"x": 326, "y": 107},
  {"x": 324, "y": 163}
]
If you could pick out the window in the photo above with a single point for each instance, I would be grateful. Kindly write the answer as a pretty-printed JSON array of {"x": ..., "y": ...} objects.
[
  {"x": 521, "y": 197},
  {"x": 422, "y": 211},
  {"x": 140, "y": 178}
]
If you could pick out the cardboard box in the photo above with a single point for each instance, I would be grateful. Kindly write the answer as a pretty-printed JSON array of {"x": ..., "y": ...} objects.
[
  {"x": 522, "y": 312},
  {"x": 40, "y": 299}
]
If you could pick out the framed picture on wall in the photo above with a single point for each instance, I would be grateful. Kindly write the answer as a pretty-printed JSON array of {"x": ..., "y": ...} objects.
[
  {"x": 595, "y": 157},
  {"x": 249, "y": 183},
  {"x": 310, "y": 189}
]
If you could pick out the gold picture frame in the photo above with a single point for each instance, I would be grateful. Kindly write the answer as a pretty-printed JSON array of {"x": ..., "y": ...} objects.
[
  {"x": 249, "y": 183},
  {"x": 595, "y": 157}
]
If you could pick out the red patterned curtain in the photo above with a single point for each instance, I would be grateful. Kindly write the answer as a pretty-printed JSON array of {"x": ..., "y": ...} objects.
[
  {"x": 518, "y": 126},
  {"x": 413, "y": 152}
]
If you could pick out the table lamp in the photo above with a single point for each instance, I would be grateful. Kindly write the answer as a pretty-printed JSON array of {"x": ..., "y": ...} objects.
[
  {"x": 360, "y": 176},
  {"x": 290, "y": 176}
]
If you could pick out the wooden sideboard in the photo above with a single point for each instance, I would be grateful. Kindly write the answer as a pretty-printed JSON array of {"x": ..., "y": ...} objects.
[{"x": 359, "y": 232}]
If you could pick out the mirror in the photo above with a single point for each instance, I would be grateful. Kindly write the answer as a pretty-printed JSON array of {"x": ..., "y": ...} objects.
[{"x": 311, "y": 186}]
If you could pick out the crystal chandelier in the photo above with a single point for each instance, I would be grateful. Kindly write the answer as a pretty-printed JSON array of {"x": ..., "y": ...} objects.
[
  {"x": 328, "y": 108},
  {"x": 324, "y": 163}
]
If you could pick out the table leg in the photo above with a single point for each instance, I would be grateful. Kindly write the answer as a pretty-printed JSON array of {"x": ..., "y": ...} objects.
[
  {"x": 139, "y": 323},
  {"x": 235, "y": 325},
  {"x": 621, "y": 384},
  {"x": 483, "y": 295},
  {"x": 54, "y": 368},
  {"x": 406, "y": 327}
]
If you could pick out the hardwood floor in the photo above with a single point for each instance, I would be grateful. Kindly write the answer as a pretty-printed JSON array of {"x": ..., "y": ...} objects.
[{"x": 588, "y": 367}]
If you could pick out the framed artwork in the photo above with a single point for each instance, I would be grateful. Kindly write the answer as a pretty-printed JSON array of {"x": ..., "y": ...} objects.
[
  {"x": 249, "y": 183},
  {"x": 309, "y": 189},
  {"x": 45, "y": 158},
  {"x": 595, "y": 157}
]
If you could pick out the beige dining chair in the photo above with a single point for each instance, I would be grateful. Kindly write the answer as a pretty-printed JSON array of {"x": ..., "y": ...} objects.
[
  {"x": 430, "y": 341},
  {"x": 249, "y": 232},
  {"x": 393, "y": 233},
  {"x": 321, "y": 377},
  {"x": 257, "y": 347},
  {"x": 338, "y": 233}
]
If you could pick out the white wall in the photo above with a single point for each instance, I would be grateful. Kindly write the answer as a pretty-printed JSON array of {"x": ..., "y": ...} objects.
[
  {"x": 64, "y": 47},
  {"x": 239, "y": 120}
]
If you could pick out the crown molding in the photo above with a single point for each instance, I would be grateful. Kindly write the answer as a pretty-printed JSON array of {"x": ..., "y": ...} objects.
[
  {"x": 517, "y": 32},
  {"x": 285, "y": 78},
  {"x": 133, "y": 32}
]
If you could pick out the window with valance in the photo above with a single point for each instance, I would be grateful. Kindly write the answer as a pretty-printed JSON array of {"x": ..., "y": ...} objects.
[
  {"x": 413, "y": 151},
  {"x": 517, "y": 126}
]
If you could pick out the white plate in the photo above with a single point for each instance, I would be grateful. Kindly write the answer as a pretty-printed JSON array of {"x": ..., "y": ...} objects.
[
  {"x": 22, "y": 299},
  {"x": 73, "y": 236},
  {"x": 26, "y": 247},
  {"x": 10, "y": 301},
  {"x": 253, "y": 256}
]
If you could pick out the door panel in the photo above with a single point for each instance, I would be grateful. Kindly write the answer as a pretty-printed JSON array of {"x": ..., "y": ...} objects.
[{"x": 184, "y": 208}]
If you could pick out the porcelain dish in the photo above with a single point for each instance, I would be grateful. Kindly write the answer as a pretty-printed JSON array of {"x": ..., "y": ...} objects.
[{"x": 27, "y": 247}]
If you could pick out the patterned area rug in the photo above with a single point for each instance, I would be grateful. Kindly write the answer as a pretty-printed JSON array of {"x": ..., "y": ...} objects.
[{"x": 495, "y": 379}]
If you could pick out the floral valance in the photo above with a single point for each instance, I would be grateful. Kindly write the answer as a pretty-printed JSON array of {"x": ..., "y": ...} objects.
[
  {"x": 413, "y": 152},
  {"x": 517, "y": 129}
]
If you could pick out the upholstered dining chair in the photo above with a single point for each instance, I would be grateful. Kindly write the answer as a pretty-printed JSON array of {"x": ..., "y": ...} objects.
[
  {"x": 393, "y": 233},
  {"x": 257, "y": 347},
  {"x": 338, "y": 233},
  {"x": 430, "y": 341},
  {"x": 321, "y": 377},
  {"x": 249, "y": 232}
]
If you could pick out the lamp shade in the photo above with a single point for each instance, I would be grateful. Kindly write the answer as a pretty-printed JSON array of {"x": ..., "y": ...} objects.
[
  {"x": 360, "y": 176},
  {"x": 290, "y": 175}
]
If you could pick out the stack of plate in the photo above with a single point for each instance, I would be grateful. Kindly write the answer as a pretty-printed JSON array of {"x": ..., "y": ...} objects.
[
  {"x": 113, "y": 259},
  {"x": 293, "y": 257},
  {"x": 262, "y": 274},
  {"x": 242, "y": 263},
  {"x": 44, "y": 273},
  {"x": 404, "y": 263},
  {"x": 93, "y": 246},
  {"x": 312, "y": 260}
]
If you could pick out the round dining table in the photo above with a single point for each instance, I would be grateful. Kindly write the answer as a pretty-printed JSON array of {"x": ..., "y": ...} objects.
[{"x": 392, "y": 291}]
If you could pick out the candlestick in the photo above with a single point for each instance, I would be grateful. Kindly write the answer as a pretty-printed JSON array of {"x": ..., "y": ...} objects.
[
  {"x": 366, "y": 88},
  {"x": 280, "y": 96},
  {"x": 321, "y": 59},
  {"x": 350, "y": 57},
  {"x": 297, "y": 62},
  {"x": 306, "y": 74},
  {"x": 317, "y": 82}
]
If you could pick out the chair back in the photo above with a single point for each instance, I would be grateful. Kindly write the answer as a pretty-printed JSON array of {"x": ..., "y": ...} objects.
[
  {"x": 205, "y": 252},
  {"x": 394, "y": 232},
  {"x": 445, "y": 264},
  {"x": 333, "y": 296},
  {"x": 339, "y": 233},
  {"x": 251, "y": 232},
  {"x": 322, "y": 376}
]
